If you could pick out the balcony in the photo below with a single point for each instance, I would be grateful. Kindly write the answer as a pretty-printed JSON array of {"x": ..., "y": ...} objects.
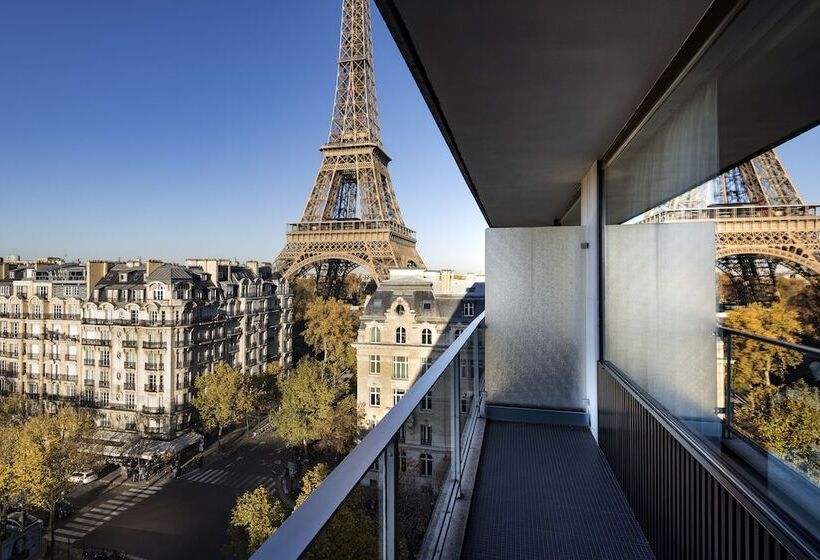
[
  {"x": 153, "y": 388},
  {"x": 178, "y": 407},
  {"x": 129, "y": 365},
  {"x": 104, "y": 364},
  {"x": 70, "y": 357},
  {"x": 89, "y": 361},
  {"x": 129, "y": 386},
  {"x": 88, "y": 382},
  {"x": 153, "y": 409},
  {"x": 154, "y": 344},
  {"x": 154, "y": 367},
  {"x": 129, "y": 343},
  {"x": 104, "y": 384},
  {"x": 97, "y": 341}
]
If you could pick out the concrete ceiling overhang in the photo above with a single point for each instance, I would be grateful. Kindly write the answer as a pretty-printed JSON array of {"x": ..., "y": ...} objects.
[{"x": 530, "y": 93}]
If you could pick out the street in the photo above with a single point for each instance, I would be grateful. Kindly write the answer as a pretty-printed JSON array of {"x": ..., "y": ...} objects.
[{"x": 186, "y": 517}]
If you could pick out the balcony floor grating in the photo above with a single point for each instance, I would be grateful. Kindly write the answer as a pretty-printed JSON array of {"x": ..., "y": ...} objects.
[{"x": 547, "y": 492}]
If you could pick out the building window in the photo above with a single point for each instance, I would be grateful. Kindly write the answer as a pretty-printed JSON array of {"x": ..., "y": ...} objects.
[
  {"x": 42, "y": 291},
  {"x": 427, "y": 305},
  {"x": 36, "y": 311},
  {"x": 426, "y": 464},
  {"x": 401, "y": 335},
  {"x": 426, "y": 336},
  {"x": 403, "y": 460},
  {"x": 130, "y": 401},
  {"x": 426, "y": 434},
  {"x": 469, "y": 309},
  {"x": 427, "y": 402},
  {"x": 402, "y": 434},
  {"x": 397, "y": 395},
  {"x": 400, "y": 309},
  {"x": 134, "y": 317},
  {"x": 465, "y": 403},
  {"x": 154, "y": 317},
  {"x": 375, "y": 334},
  {"x": 58, "y": 311},
  {"x": 375, "y": 396},
  {"x": 375, "y": 365},
  {"x": 159, "y": 293},
  {"x": 400, "y": 367},
  {"x": 104, "y": 398},
  {"x": 426, "y": 363}
]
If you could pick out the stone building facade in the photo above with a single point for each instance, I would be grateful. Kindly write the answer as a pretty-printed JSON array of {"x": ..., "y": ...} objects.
[
  {"x": 128, "y": 338},
  {"x": 406, "y": 324}
]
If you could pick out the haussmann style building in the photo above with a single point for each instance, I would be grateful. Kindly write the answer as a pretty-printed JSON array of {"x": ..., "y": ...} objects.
[{"x": 128, "y": 339}]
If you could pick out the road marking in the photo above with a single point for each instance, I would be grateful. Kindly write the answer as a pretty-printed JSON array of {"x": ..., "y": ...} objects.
[
  {"x": 241, "y": 481},
  {"x": 68, "y": 532},
  {"x": 90, "y": 518}
]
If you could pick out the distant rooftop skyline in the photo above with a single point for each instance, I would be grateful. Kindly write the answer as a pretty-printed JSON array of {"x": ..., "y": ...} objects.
[
  {"x": 192, "y": 128},
  {"x": 169, "y": 130}
]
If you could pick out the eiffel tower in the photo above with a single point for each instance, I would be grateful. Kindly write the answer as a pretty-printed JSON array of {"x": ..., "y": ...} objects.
[
  {"x": 762, "y": 224},
  {"x": 352, "y": 218}
]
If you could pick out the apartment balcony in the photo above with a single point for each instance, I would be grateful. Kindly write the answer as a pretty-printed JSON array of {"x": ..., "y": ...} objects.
[
  {"x": 129, "y": 386},
  {"x": 52, "y": 356},
  {"x": 89, "y": 361},
  {"x": 153, "y": 409},
  {"x": 104, "y": 384},
  {"x": 154, "y": 367},
  {"x": 7, "y": 354},
  {"x": 129, "y": 365},
  {"x": 185, "y": 384},
  {"x": 153, "y": 388},
  {"x": 97, "y": 342},
  {"x": 70, "y": 357},
  {"x": 129, "y": 343},
  {"x": 104, "y": 364},
  {"x": 88, "y": 382},
  {"x": 178, "y": 407},
  {"x": 154, "y": 345}
]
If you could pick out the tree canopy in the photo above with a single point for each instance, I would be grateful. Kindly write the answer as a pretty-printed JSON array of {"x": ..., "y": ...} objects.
[
  {"x": 254, "y": 518},
  {"x": 224, "y": 397},
  {"x": 759, "y": 362},
  {"x": 331, "y": 325}
]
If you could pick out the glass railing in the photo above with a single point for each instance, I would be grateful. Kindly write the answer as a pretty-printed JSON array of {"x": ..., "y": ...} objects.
[
  {"x": 393, "y": 495},
  {"x": 771, "y": 419}
]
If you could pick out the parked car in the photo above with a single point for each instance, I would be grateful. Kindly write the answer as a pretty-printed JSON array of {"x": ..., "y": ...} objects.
[{"x": 83, "y": 477}]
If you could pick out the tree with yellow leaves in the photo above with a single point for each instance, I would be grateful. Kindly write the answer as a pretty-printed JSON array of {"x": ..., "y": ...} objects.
[
  {"x": 49, "y": 449},
  {"x": 224, "y": 397},
  {"x": 254, "y": 518}
]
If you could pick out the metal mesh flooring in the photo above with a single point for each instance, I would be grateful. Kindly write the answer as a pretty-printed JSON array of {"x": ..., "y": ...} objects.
[{"x": 547, "y": 492}]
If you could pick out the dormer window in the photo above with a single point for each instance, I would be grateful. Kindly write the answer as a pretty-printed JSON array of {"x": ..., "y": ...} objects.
[
  {"x": 399, "y": 309},
  {"x": 123, "y": 277},
  {"x": 159, "y": 292},
  {"x": 469, "y": 309}
]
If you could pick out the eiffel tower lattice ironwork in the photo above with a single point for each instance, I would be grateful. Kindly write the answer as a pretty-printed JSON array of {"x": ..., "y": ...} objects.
[
  {"x": 762, "y": 223},
  {"x": 352, "y": 218}
]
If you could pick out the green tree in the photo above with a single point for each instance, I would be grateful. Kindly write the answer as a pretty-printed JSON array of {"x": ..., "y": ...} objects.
[
  {"x": 344, "y": 427},
  {"x": 50, "y": 448},
  {"x": 759, "y": 362},
  {"x": 786, "y": 421},
  {"x": 352, "y": 532},
  {"x": 15, "y": 409},
  {"x": 224, "y": 397},
  {"x": 305, "y": 413},
  {"x": 331, "y": 326},
  {"x": 9, "y": 487},
  {"x": 311, "y": 481},
  {"x": 254, "y": 518}
]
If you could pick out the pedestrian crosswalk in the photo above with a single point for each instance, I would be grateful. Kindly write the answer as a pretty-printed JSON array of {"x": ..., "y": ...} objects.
[
  {"x": 238, "y": 480},
  {"x": 92, "y": 517}
]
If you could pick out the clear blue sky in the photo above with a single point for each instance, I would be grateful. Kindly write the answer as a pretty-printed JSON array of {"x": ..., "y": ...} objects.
[{"x": 191, "y": 128}]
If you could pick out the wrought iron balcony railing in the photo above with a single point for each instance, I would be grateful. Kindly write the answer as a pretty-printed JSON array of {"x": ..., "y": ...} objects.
[{"x": 387, "y": 463}]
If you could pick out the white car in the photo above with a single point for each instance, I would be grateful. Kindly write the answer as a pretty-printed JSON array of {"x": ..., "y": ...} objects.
[{"x": 83, "y": 477}]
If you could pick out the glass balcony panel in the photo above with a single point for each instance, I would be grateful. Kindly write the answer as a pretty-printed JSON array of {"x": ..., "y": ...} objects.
[
  {"x": 355, "y": 529},
  {"x": 425, "y": 470}
]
